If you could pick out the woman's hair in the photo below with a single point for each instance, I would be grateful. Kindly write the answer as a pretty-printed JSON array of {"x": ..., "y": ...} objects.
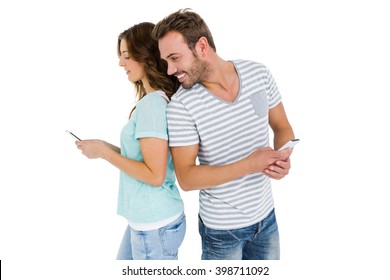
[
  {"x": 144, "y": 49},
  {"x": 188, "y": 23}
]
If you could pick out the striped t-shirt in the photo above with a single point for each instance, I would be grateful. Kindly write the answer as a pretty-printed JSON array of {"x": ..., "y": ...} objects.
[{"x": 228, "y": 132}]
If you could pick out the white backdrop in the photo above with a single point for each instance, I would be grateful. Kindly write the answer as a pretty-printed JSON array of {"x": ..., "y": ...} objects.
[{"x": 59, "y": 70}]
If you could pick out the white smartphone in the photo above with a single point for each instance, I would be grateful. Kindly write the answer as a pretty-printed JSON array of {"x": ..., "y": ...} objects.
[
  {"x": 289, "y": 144},
  {"x": 74, "y": 136}
]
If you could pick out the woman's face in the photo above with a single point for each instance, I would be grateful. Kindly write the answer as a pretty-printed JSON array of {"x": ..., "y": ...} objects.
[{"x": 134, "y": 70}]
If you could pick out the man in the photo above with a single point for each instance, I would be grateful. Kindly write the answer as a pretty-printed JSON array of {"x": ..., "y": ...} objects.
[{"x": 221, "y": 115}]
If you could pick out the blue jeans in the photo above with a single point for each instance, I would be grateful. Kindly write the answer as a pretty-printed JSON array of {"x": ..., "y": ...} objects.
[
  {"x": 159, "y": 244},
  {"x": 256, "y": 242}
]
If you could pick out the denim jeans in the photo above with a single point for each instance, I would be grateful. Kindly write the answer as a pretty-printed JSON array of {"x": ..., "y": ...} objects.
[
  {"x": 256, "y": 242},
  {"x": 159, "y": 244}
]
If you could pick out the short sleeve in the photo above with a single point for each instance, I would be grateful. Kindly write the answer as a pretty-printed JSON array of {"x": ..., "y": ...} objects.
[
  {"x": 274, "y": 97},
  {"x": 151, "y": 119},
  {"x": 182, "y": 129}
]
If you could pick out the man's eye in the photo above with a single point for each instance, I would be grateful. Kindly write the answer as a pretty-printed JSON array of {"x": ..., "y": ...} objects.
[{"x": 174, "y": 58}]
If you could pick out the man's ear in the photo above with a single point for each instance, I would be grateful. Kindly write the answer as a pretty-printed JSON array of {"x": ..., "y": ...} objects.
[{"x": 202, "y": 46}]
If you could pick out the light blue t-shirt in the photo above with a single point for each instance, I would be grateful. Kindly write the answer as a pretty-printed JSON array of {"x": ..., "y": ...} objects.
[{"x": 138, "y": 202}]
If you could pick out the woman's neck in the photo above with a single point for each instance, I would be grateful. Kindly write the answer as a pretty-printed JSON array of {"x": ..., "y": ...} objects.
[{"x": 148, "y": 88}]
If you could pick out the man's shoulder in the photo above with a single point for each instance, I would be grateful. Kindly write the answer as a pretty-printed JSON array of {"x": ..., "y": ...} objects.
[
  {"x": 183, "y": 95},
  {"x": 244, "y": 64}
]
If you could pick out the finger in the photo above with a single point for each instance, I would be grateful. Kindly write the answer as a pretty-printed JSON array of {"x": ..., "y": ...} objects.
[
  {"x": 279, "y": 170},
  {"x": 275, "y": 169},
  {"x": 286, "y": 152},
  {"x": 283, "y": 163},
  {"x": 272, "y": 174}
]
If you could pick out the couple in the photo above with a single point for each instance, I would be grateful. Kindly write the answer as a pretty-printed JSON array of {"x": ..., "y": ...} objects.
[{"x": 220, "y": 114}]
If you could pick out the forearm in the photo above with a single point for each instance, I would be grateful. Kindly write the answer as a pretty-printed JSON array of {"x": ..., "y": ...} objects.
[
  {"x": 135, "y": 169},
  {"x": 113, "y": 147},
  {"x": 196, "y": 177},
  {"x": 280, "y": 125},
  {"x": 282, "y": 136}
]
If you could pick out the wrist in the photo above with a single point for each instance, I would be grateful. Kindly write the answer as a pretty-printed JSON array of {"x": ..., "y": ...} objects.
[
  {"x": 247, "y": 167},
  {"x": 106, "y": 153}
]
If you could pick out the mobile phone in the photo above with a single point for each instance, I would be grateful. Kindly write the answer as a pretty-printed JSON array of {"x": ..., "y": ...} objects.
[
  {"x": 289, "y": 144},
  {"x": 74, "y": 136}
]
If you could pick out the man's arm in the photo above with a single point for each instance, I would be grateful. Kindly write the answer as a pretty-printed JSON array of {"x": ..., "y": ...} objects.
[
  {"x": 280, "y": 125},
  {"x": 194, "y": 177},
  {"x": 283, "y": 132}
]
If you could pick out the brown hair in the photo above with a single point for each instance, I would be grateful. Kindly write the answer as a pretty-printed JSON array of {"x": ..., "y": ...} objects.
[
  {"x": 187, "y": 23},
  {"x": 144, "y": 49}
]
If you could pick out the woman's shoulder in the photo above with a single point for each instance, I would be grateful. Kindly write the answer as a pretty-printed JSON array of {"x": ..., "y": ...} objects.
[{"x": 154, "y": 100}]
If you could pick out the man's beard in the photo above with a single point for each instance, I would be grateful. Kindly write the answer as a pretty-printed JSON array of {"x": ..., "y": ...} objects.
[{"x": 199, "y": 70}]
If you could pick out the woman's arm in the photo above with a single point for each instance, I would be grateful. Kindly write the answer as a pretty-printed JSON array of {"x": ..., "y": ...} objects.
[
  {"x": 151, "y": 171},
  {"x": 113, "y": 147}
]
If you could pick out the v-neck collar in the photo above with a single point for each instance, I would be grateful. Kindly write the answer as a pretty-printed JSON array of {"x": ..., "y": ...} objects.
[{"x": 239, "y": 88}]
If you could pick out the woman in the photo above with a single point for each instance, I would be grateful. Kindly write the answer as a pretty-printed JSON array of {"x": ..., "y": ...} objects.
[{"x": 148, "y": 196}]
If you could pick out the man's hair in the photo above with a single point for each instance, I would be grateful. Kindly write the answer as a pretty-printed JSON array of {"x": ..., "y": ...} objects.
[{"x": 188, "y": 23}]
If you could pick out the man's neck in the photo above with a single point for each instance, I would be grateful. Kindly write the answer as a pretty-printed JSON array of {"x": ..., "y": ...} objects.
[{"x": 223, "y": 81}]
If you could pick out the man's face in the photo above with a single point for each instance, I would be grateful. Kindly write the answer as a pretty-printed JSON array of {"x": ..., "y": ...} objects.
[{"x": 182, "y": 62}]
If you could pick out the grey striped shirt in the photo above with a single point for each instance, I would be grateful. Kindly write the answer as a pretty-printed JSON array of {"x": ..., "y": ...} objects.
[{"x": 227, "y": 132}]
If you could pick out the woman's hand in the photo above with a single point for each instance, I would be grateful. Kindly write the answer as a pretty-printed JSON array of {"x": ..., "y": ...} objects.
[{"x": 93, "y": 148}]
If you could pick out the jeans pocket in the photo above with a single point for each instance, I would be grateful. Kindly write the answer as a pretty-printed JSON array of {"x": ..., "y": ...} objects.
[{"x": 172, "y": 236}]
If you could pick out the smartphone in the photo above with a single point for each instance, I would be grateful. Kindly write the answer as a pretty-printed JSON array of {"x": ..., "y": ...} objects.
[
  {"x": 289, "y": 144},
  {"x": 74, "y": 136}
]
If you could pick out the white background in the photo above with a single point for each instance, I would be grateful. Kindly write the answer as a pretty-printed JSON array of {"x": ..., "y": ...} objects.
[{"x": 59, "y": 70}]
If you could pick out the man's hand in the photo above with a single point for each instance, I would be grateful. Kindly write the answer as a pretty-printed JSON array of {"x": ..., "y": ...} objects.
[
  {"x": 265, "y": 158},
  {"x": 279, "y": 169}
]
